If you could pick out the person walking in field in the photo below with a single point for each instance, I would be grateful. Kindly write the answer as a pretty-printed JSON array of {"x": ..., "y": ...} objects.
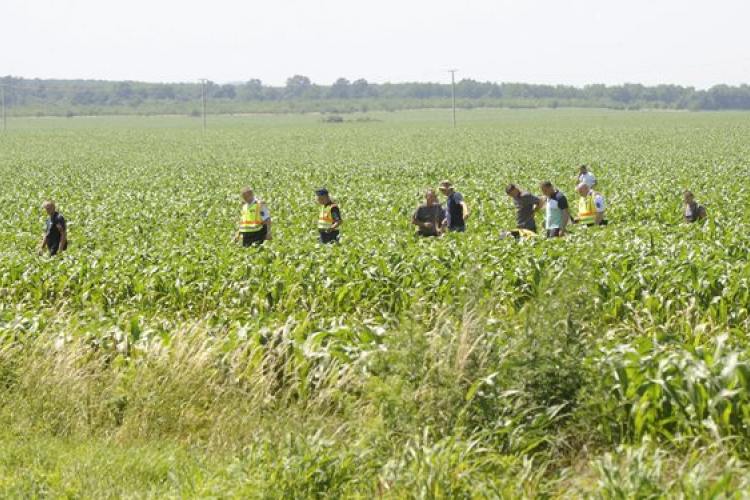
[
  {"x": 586, "y": 177},
  {"x": 527, "y": 205},
  {"x": 693, "y": 210},
  {"x": 557, "y": 211},
  {"x": 430, "y": 217},
  {"x": 255, "y": 221},
  {"x": 457, "y": 210},
  {"x": 55, "y": 236},
  {"x": 329, "y": 218},
  {"x": 590, "y": 207}
]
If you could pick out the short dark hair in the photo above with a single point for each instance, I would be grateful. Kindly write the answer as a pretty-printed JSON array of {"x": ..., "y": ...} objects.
[
  {"x": 546, "y": 184},
  {"x": 687, "y": 193},
  {"x": 509, "y": 188}
]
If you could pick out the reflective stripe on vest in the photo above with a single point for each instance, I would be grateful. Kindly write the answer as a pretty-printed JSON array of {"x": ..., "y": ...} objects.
[
  {"x": 325, "y": 219},
  {"x": 251, "y": 221},
  {"x": 587, "y": 209}
]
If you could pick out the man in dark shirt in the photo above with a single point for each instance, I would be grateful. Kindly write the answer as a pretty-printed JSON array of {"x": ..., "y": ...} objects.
[
  {"x": 693, "y": 210},
  {"x": 55, "y": 236},
  {"x": 457, "y": 211},
  {"x": 329, "y": 219},
  {"x": 429, "y": 217},
  {"x": 527, "y": 205}
]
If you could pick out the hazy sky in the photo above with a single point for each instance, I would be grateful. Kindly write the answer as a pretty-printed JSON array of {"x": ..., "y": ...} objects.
[{"x": 697, "y": 43}]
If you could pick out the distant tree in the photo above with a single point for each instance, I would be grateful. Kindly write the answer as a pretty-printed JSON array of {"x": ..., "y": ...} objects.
[
  {"x": 341, "y": 89},
  {"x": 362, "y": 90},
  {"x": 252, "y": 90},
  {"x": 164, "y": 93},
  {"x": 123, "y": 91},
  {"x": 297, "y": 85},
  {"x": 471, "y": 89},
  {"x": 226, "y": 91}
]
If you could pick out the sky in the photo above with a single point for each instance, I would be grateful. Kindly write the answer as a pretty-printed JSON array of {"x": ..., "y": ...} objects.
[{"x": 575, "y": 42}]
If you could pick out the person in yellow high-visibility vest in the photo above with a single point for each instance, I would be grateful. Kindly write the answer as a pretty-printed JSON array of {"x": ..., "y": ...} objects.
[
  {"x": 590, "y": 207},
  {"x": 255, "y": 221},
  {"x": 329, "y": 218}
]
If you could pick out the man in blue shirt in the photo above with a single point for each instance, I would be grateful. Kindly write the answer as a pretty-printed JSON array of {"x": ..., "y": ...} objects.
[
  {"x": 457, "y": 211},
  {"x": 55, "y": 236}
]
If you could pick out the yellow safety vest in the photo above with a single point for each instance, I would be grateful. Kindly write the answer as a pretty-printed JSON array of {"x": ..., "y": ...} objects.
[
  {"x": 587, "y": 209},
  {"x": 325, "y": 218},
  {"x": 251, "y": 221}
]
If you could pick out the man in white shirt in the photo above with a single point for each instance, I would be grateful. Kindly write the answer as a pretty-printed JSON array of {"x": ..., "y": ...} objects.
[
  {"x": 255, "y": 221},
  {"x": 586, "y": 177}
]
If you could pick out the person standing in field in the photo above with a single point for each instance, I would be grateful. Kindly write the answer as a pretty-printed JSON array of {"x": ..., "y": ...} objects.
[
  {"x": 693, "y": 210},
  {"x": 457, "y": 210},
  {"x": 590, "y": 206},
  {"x": 55, "y": 236},
  {"x": 586, "y": 177},
  {"x": 558, "y": 214},
  {"x": 255, "y": 221},
  {"x": 527, "y": 205},
  {"x": 429, "y": 217},
  {"x": 329, "y": 218}
]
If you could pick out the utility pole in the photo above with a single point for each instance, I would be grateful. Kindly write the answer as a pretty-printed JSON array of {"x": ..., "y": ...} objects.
[
  {"x": 203, "y": 101},
  {"x": 5, "y": 116},
  {"x": 453, "y": 93}
]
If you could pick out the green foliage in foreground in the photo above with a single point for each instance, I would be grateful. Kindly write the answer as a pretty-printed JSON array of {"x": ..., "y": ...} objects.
[{"x": 156, "y": 359}]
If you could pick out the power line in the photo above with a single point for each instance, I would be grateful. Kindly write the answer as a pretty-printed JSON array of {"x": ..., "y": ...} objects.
[
  {"x": 203, "y": 100},
  {"x": 5, "y": 116},
  {"x": 453, "y": 93}
]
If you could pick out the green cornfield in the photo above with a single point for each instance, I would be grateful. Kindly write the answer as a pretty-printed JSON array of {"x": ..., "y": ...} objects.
[{"x": 158, "y": 359}]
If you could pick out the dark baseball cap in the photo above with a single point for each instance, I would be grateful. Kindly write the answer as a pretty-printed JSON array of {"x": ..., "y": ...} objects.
[{"x": 321, "y": 192}]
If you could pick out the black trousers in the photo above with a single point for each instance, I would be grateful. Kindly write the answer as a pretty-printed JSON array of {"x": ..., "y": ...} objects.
[
  {"x": 54, "y": 248},
  {"x": 256, "y": 238},
  {"x": 324, "y": 237}
]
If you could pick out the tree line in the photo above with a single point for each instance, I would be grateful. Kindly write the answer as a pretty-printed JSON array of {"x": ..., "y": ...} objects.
[{"x": 55, "y": 97}]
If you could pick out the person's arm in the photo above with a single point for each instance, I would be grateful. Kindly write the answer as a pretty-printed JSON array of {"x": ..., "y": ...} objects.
[
  {"x": 266, "y": 219},
  {"x": 337, "y": 221},
  {"x": 63, "y": 238},
  {"x": 414, "y": 218},
  {"x": 599, "y": 205},
  {"x": 565, "y": 218},
  {"x": 467, "y": 212},
  {"x": 538, "y": 203},
  {"x": 238, "y": 233},
  {"x": 43, "y": 243}
]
